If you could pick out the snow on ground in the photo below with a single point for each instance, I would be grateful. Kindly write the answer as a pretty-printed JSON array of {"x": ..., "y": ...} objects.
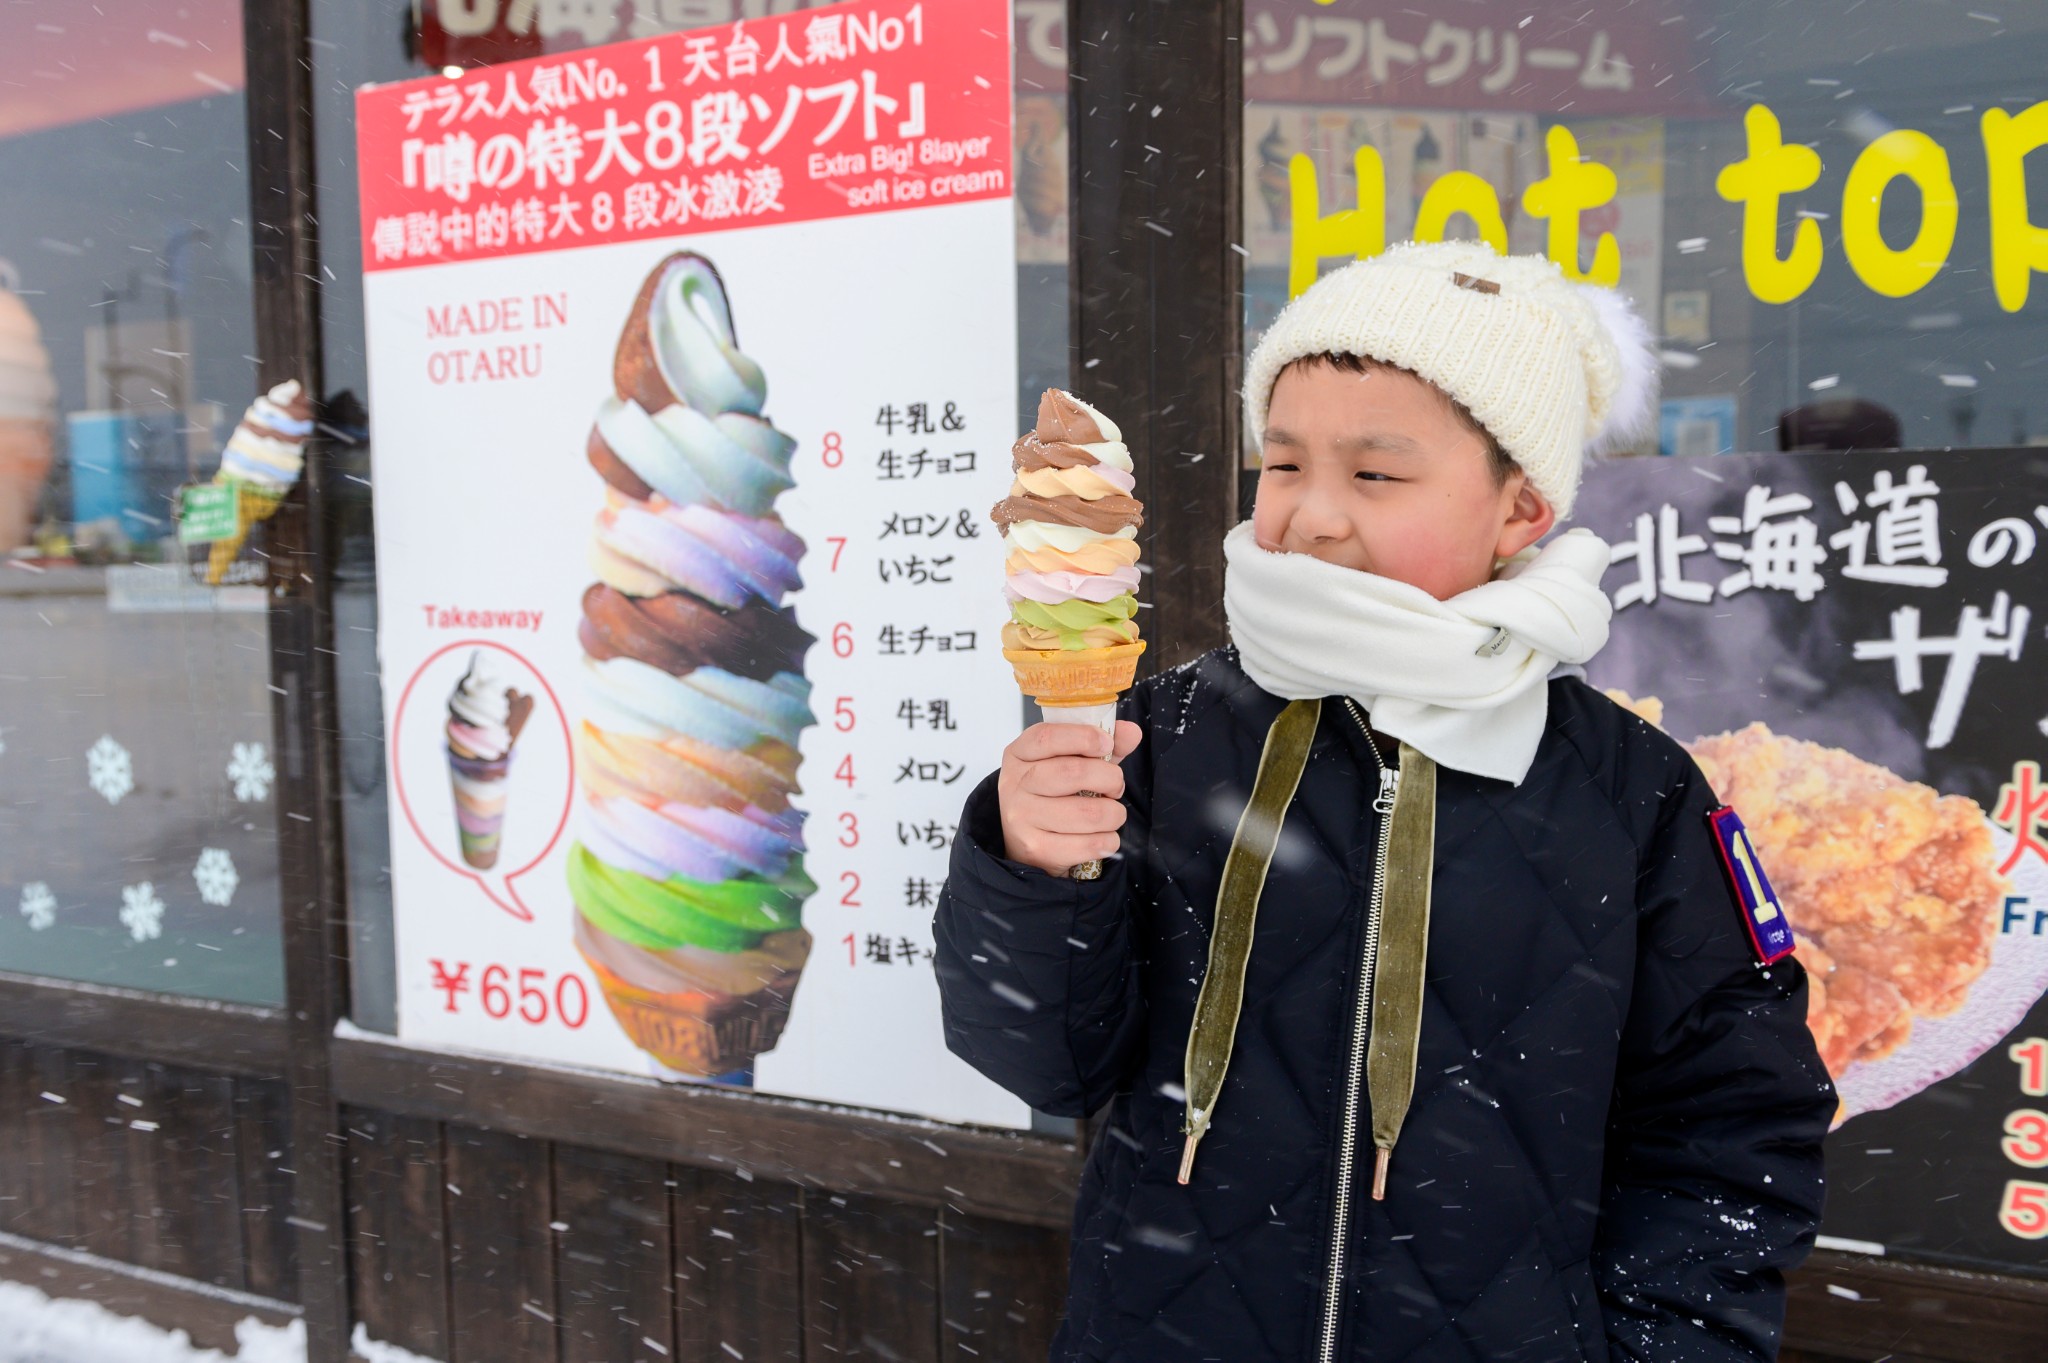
[{"x": 35, "y": 1328}]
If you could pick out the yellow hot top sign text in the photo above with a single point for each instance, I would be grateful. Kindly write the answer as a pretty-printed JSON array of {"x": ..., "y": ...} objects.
[{"x": 1770, "y": 170}]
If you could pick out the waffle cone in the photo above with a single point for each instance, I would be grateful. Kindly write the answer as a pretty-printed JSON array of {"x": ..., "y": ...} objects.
[
  {"x": 699, "y": 1033},
  {"x": 253, "y": 506},
  {"x": 1075, "y": 676}
]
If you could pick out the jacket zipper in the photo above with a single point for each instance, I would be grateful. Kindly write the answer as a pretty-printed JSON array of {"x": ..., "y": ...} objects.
[{"x": 1361, "y": 1029}]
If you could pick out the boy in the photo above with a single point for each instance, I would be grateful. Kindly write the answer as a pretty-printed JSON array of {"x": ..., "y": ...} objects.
[{"x": 1507, "y": 1069}]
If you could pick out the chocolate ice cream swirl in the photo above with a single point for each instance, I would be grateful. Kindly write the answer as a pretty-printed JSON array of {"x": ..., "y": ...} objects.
[
  {"x": 1069, "y": 529},
  {"x": 677, "y": 632},
  {"x": 1103, "y": 515},
  {"x": 1033, "y": 451},
  {"x": 1061, "y": 416},
  {"x": 1069, "y": 444}
]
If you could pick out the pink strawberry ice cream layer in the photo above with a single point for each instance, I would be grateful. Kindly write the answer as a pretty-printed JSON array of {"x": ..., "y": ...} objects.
[
  {"x": 1121, "y": 479},
  {"x": 649, "y": 547},
  {"x": 476, "y": 739},
  {"x": 1065, "y": 586}
]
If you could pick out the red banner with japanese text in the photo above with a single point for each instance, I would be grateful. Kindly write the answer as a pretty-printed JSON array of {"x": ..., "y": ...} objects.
[{"x": 859, "y": 109}]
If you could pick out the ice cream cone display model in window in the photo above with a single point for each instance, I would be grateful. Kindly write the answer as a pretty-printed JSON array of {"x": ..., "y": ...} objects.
[
  {"x": 687, "y": 872},
  {"x": 28, "y": 402},
  {"x": 1070, "y": 567},
  {"x": 262, "y": 460}
]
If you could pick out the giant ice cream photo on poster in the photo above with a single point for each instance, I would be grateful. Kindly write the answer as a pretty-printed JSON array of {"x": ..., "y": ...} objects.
[
  {"x": 689, "y": 358},
  {"x": 689, "y": 879}
]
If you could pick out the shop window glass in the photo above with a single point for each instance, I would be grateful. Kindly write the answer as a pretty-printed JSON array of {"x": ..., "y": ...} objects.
[
  {"x": 354, "y": 45},
  {"x": 137, "y": 785},
  {"x": 1825, "y": 210},
  {"x": 1826, "y": 213}
]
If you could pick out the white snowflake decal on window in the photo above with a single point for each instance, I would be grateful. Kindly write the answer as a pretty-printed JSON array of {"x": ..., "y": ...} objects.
[
  {"x": 215, "y": 876},
  {"x": 251, "y": 772},
  {"x": 38, "y": 905},
  {"x": 142, "y": 913},
  {"x": 109, "y": 769}
]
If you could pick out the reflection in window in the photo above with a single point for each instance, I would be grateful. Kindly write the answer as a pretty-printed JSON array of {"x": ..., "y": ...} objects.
[
  {"x": 137, "y": 843},
  {"x": 1823, "y": 209}
]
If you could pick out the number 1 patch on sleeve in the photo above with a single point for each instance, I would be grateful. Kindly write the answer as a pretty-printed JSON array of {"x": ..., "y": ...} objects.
[{"x": 1769, "y": 931}]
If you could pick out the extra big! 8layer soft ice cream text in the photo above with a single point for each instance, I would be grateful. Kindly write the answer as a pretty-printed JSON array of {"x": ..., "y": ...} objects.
[{"x": 688, "y": 877}]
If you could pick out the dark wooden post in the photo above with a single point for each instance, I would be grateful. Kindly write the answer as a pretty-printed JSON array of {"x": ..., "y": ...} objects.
[
  {"x": 1156, "y": 112},
  {"x": 287, "y": 303}
]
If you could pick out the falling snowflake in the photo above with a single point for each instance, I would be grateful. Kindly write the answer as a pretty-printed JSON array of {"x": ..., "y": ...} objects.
[
  {"x": 251, "y": 772},
  {"x": 142, "y": 913},
  {"x": 38, "y": 905},
  {"x": 109, "y": 769},
  {"x": 215, "y": 876}
]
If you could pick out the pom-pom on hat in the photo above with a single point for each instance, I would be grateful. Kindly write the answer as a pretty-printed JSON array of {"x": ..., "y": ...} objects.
[{"x": 1552, "y": 368}]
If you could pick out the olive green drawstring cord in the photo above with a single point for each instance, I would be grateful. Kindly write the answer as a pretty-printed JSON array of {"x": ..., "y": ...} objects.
[
  {"x": 1237, "y": 906},
  {"x": 1397, "y": 976},
  {"x": 1398, "y": 971}
]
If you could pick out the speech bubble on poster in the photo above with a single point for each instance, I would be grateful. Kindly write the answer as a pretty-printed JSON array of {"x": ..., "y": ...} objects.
[{"x": 529, "y": 797}]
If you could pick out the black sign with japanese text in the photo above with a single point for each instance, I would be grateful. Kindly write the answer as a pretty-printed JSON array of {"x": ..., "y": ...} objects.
[{"x": 1852, "y": 646}]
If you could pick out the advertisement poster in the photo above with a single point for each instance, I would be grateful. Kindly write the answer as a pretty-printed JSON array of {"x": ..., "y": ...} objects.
[
  {"x": 694, "y": 366},
  {"x": 1851, "y": 646}
]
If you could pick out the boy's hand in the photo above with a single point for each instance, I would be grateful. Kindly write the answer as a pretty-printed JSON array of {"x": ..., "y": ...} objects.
[{"x": 1050, "y": 778}]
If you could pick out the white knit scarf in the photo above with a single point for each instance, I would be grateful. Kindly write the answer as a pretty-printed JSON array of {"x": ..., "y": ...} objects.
[{"x": 1438, "y": 675}]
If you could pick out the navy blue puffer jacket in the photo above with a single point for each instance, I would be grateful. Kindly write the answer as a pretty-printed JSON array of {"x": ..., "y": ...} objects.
[{"x": 1614, "y": 1148}]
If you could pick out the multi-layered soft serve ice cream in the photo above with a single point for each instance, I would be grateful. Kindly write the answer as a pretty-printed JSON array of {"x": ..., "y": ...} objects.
[
  {"x": 263, "y": 458},
  {"x": 1070, "y": 571},
  {"x": 485, "y": 718},
  {"x": 1070, "y": 527},
  {"x": 268, "y": 446},
  {"x": 688, "y": 875}
]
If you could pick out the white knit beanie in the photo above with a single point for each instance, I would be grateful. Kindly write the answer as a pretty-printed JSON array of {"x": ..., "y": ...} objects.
[{"x": 1550, "y": 367}]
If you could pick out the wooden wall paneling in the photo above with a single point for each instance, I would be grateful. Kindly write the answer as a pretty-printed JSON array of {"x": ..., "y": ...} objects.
[
  {"x": 18, "y": 1102},
  {"x": 51, "y": 1214},
  {"x": 223, "y": 1038},
  {"x": 99, "y": 1161},
  {"x": 397, "y": 1232},
  {"x": 613, "y": 1276},
  {"x": 740, "y": 1287},
  {"x": 1012, "y": 1176},
  {"x": 1002, "y": 1288},
  {"x": 1156, "y": 108},
  {"x": 871, "y": 1280},
  {"x": 183, "y": 1200},
  {"x": 1864, "y": 1307},
  {"x": 501, "y": 1261},
  {"x": 262, "y": 1116}
]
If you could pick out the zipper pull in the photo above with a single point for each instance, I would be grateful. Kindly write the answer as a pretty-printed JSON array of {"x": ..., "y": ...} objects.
[{"x": 1390, "y": 786}]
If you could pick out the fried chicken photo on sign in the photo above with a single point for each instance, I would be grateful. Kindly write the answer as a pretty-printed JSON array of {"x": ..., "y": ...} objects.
[{"x": 1889, "y": 884}]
